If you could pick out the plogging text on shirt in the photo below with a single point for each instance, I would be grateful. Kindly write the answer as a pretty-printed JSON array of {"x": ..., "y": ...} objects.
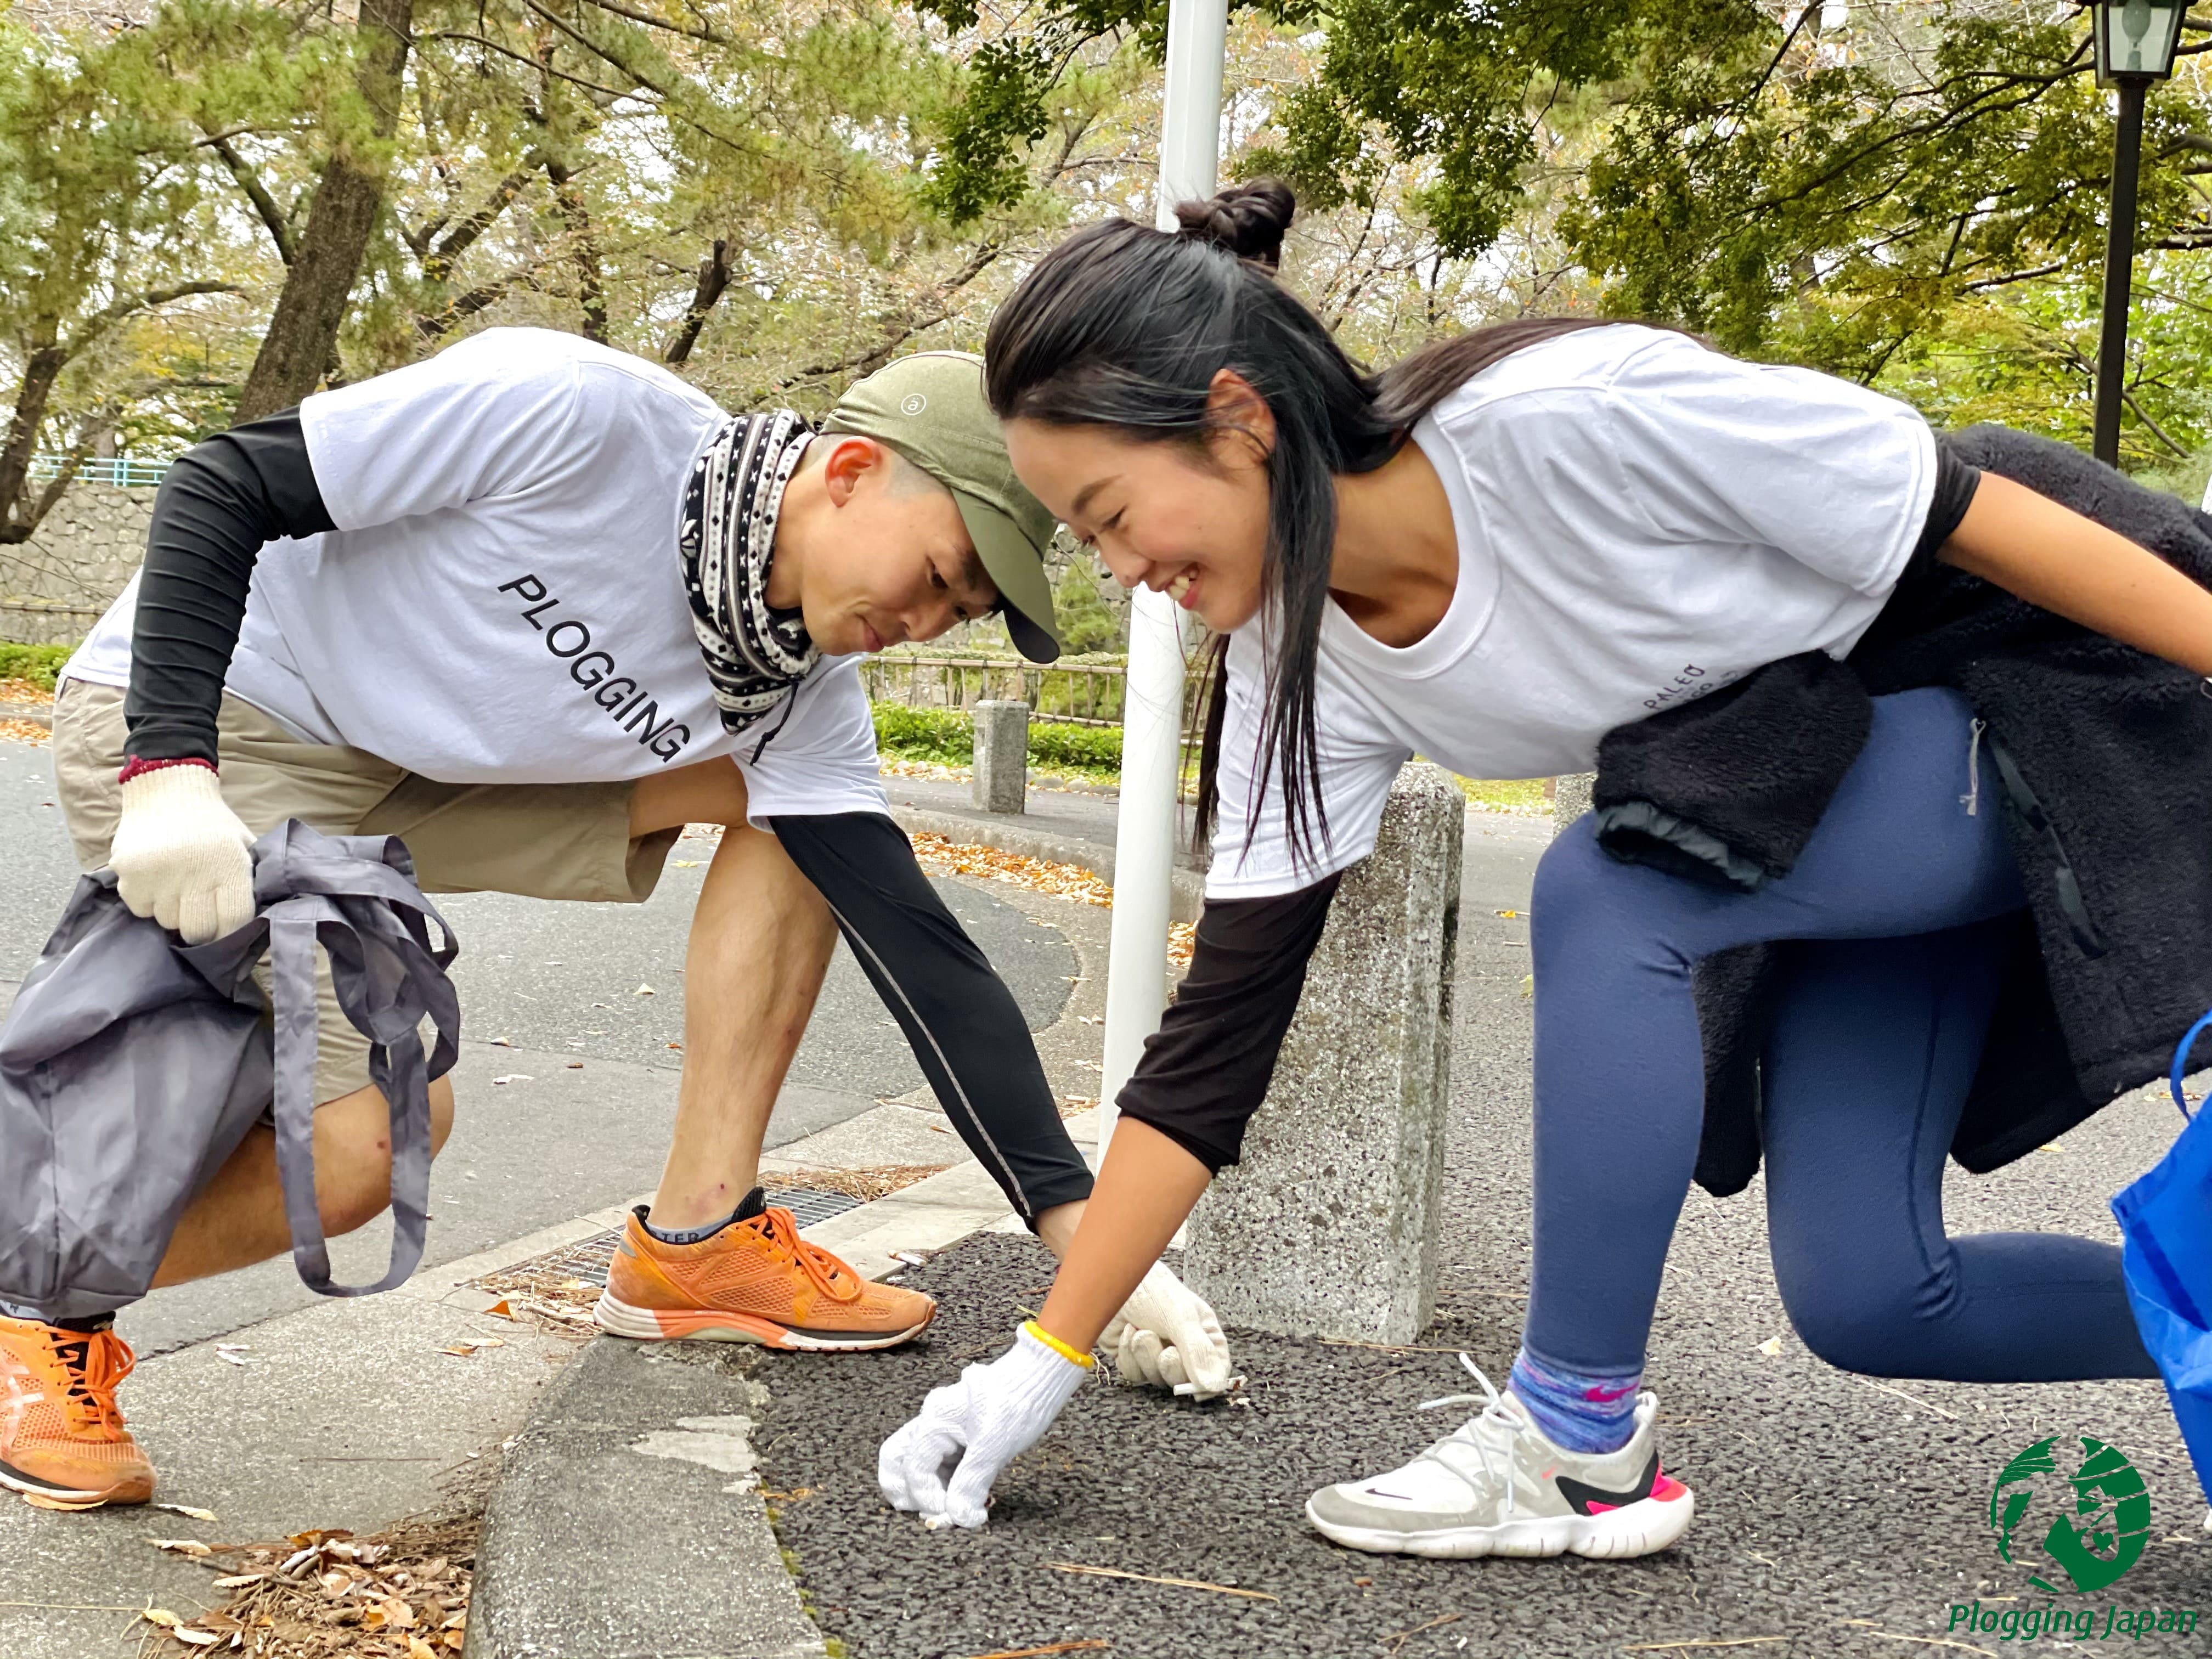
[{"x": 632, "y": 707}]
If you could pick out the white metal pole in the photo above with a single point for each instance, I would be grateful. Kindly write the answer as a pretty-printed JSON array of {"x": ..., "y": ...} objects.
[{"x": 1152, "y": 715}]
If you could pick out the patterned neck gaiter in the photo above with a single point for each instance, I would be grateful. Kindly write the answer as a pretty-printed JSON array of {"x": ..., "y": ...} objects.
[{"x": 755, "y": 654}]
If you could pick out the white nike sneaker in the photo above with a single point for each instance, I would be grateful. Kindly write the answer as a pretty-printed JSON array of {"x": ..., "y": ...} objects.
[{"x": 1496, "y": 1487}]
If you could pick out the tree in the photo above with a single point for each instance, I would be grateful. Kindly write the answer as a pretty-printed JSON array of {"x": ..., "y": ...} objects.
[
  {"x": 101, "y": 222},
  {"x": 298, "y": 348}
]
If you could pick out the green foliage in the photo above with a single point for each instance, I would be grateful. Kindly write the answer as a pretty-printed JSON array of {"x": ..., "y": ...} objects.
[
  {"x": 1523, "y": 796},
  {"x": 37, "y": 664},
  {"x": 1080, "y": 749},
  {"x": 1087, "y": 622},
  {"x": 944, "y": 736}
]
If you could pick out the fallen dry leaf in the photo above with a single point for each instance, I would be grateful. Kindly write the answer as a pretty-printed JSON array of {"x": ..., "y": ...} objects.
[
  {"x": 159, "y": 1616},
  {"x": 515, "y": 1077},
  {"x": 644, "y": 991},
  {"x": 1771, "y": 1347},
  {"x": 198, "y": 1639},
  {"x": 181, "y": 1546},
  {"x": 237, "y": 1579},
  {"x": 187, "y": 1512},
  {"x": 468, "y": 1350}
]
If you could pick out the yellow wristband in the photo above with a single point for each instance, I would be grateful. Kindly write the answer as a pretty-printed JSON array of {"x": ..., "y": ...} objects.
[{"x": 1058, "y": 1346}]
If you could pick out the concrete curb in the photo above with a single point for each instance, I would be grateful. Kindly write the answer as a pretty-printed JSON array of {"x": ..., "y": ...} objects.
[
  {"x": 598, "y": 1542},
  {"x": 1189, "y": 894},
  {"x": 627, "y": 1521}
]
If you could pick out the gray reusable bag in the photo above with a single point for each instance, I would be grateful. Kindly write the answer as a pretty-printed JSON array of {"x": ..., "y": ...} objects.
[{"x": 132, "y": 1066}]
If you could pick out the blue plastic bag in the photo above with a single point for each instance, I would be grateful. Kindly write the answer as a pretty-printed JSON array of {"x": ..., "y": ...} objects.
[{"x": 2166, "y": 1223}]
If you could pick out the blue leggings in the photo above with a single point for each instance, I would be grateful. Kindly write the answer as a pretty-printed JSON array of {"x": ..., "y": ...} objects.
[{"x": 1888, "y": 987}]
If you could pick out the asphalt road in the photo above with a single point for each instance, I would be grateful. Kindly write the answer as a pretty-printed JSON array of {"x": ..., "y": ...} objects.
[
  {"x": 559, "y": 982},
  {"x": 1837, "y": 1514}
]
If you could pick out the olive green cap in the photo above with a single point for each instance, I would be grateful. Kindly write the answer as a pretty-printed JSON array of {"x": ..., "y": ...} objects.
[{"x": 930, "y": 407}]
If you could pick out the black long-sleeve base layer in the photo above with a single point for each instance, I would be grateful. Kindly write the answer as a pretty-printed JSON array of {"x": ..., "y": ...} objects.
[
  {"x": 219, "y": 504},
  {"x": 1206, "y": 1071},
  {"x": 962, "y": 1022}
]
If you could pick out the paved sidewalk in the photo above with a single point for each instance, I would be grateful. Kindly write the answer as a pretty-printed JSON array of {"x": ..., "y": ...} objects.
[{"x": 344, "y": 1414}]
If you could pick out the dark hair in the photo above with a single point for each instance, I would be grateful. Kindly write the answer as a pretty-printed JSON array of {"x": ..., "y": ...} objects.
[{"x": 1126, "y": 326}]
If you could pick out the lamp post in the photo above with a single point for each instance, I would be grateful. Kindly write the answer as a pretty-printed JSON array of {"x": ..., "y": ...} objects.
[
  {"x": 1151, "y": 701},
  {"x": 2136, "y": 43}
]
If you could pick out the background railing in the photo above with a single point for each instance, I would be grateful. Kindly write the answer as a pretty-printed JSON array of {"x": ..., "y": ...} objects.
[
  {"x": 102, "y": 470},
  {"x": 1074, "y": 694}
]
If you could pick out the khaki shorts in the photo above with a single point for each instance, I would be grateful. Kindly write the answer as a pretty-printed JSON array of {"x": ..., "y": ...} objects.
[{"x": 559, "y": 841}]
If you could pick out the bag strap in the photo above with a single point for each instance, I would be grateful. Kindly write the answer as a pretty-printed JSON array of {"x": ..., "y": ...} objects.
[
  {"x": 2181, "y": 1065},
  {"x": 397, "y": 1065}
]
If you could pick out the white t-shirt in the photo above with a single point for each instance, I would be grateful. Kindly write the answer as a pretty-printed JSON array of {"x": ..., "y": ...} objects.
[
  {"x": 503, "y": 600},
  {"x": 1640, "y": 521}
]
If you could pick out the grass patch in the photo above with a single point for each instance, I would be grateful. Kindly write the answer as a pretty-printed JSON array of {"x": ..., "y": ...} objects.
[
  {"x": 1521, "y": 795},
  {"x": 37, "y": 664}
]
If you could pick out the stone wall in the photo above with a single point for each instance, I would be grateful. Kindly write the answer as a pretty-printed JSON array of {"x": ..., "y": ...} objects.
[{"x": 54, "y": 586}]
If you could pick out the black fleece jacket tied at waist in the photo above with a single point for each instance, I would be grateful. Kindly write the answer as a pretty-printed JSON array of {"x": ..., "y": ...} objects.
[{"x": 2104, "y": 754}]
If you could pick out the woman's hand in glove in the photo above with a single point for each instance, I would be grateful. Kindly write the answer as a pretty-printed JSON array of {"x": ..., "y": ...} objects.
[
  {"x": 1166, "y": 1336},
  {"x": 942, "y": 1465},
  {"x": 179, "y": 853}
]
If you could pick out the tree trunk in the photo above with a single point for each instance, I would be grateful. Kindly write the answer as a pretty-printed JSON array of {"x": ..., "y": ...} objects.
[
  {"x": 591, "y": 286},
  {"x": 714, "y": 278},
  {"x": 19, "y": 515},
  {"x": 304, "y": 330}
]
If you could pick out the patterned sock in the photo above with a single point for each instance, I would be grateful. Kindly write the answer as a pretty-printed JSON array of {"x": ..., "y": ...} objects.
[
  {"x": 756, "y": 1201},
  {"x": 1577, "y": 1411},
  {"x": 16, "y": 1310}
]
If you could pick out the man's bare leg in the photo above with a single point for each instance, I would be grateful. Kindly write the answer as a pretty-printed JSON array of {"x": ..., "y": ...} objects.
[
  {"x": 761, "y": 941},
  {"x": 238, "y": 1217},
  {"x": 760, "y": 944}
]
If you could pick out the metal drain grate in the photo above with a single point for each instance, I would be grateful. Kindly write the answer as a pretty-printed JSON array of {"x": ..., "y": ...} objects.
[
  {"x": 589, "y": 1259},
  {"x": 808, "y": 1206}
]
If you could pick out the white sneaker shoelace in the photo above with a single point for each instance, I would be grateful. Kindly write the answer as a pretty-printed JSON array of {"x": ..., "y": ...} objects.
[{"x": 1491, "y": 1435}]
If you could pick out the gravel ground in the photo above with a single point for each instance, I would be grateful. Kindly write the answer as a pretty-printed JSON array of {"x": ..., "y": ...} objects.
[{"x": 1837, "y": 1514}]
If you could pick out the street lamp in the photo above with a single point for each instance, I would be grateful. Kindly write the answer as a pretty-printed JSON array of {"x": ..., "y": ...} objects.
[{"x": 2135, "y": 44}]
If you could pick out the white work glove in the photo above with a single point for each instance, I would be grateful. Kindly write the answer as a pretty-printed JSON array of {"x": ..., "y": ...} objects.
[
  {"x": 1167, "y": 1337},
  {"x": 981, "y": 1424},
  {"x": 179, "y": 853}
]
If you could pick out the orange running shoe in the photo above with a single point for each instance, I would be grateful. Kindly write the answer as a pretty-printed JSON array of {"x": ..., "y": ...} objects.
[
  {"x": 754, "y": 1281},
  {"x": 61, "y": 1436}
]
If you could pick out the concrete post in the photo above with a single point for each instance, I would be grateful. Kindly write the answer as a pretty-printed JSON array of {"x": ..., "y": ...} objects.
[
  {"x": 1571, "y": 799},
  {"x": 1002, "y": 756},
  {"x": 1329, "y": 1226}
]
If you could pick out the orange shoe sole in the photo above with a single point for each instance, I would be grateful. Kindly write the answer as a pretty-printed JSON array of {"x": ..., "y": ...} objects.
[{"x": 618, "y": 1318}]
